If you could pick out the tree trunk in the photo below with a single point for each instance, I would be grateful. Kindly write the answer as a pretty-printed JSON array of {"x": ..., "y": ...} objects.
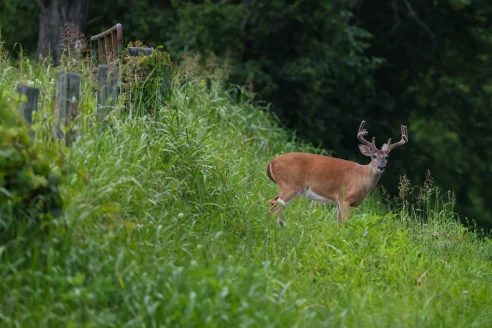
[{"x": 52, "y": 16}]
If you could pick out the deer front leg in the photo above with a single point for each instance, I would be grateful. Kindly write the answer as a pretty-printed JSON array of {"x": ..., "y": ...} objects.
[{"x": 343, "y": 212}]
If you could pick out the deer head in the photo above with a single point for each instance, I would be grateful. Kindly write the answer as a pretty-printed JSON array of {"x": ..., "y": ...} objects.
[{"x": 379, "y": 158}]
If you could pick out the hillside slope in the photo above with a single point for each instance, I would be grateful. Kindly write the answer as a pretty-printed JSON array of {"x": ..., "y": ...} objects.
[{"x": 165, "y": 226}]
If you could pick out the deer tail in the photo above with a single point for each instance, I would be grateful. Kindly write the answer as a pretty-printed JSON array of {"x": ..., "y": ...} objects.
[{"x": 270, "y": 172}]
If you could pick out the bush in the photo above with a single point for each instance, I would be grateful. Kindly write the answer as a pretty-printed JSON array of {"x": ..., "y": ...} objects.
[
  {"x": 29, "y": 195},
  {"x": 147, "y": 80}
]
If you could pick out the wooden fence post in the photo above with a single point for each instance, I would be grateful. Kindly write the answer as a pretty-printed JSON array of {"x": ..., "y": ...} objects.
[
  {"x": 135, "y": 51},
  {"x": 27, "y": 107},
  {"x": 67, "y": 102},
  {"x": 107, "y": 92}
]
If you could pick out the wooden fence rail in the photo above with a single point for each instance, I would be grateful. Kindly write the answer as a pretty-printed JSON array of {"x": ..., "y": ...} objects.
[{"x": 107, "y": 45}]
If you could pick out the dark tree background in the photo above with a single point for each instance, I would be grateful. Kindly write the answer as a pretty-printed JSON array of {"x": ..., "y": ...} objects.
[
  {"x": 52, "y": 16},
  {"x": 327, "y": 65}
]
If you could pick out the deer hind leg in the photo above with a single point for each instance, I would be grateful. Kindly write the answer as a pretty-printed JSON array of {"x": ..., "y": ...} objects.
[
  {"x": 273, "y": 201},
  {"x": 343, "y": 212},
  {"x": 278, "y": 203}
]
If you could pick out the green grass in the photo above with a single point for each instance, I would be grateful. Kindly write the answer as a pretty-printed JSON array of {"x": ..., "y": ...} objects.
[{"x": 165, "y": 225}]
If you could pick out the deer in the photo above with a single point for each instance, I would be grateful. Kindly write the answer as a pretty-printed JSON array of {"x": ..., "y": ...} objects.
[{"x": 328, "y": 179}]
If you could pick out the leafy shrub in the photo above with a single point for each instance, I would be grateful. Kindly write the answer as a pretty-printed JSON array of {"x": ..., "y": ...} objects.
[
  {"x": 29, "y": 195},
  {"x": 147, "y": 80}
]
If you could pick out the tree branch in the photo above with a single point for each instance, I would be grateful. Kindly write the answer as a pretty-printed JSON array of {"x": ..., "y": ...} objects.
[
  {"x": 43, "y": 3},
  {"x": 394, "y": 6},
  {"x": 413, "y": 14},
  {"x": 249, "y": 4},
  {"x": 94, "y": 20}
]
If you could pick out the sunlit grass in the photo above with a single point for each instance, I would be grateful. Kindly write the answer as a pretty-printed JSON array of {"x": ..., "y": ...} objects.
[{"x": 165, "y": 225}]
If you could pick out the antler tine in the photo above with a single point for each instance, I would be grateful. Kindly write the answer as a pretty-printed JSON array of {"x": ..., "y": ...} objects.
[
  {"x": 363, "y": 132},
  {"x": 361, "y": 126},
  {"x": 404, "y": 139}
]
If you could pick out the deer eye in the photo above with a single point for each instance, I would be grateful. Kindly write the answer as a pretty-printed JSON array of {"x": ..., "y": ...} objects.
[
  {"x": 386, "y": 157},
  {"x": 374, "y": 156}
]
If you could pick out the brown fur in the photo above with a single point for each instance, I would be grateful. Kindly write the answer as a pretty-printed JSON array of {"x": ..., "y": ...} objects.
[
  {"x": 349, "y": 185},
  {"x": 338, "y": 181},
  {"x": 342, "y": 182}
]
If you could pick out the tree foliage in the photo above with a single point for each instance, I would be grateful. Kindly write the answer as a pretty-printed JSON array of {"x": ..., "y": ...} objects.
[
  {"x": 438, "y": 54},
  {"x": 304, "y": 56},
  {"x": 326, "y": 65},
  {"x": 19, "y": 23}
]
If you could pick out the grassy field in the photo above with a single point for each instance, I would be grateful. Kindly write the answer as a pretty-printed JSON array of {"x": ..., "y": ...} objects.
[{"x": 165, "y": 225}]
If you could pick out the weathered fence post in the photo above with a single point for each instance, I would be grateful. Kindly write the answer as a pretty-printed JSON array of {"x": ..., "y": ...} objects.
[
  {"x": 135, "y": 51},
  {"x": 27, "y": 107},
  {"x": 67, "y": 101},
  {"x": 107, "y": 92}
]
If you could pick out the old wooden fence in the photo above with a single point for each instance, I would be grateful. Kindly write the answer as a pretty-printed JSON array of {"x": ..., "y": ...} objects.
[{"x": 106, "y": 48}]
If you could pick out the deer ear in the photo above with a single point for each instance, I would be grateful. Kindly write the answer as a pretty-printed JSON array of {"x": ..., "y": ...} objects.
[
  {"x": 365, "y": 150},
  {"x": 385, "y": 147}
]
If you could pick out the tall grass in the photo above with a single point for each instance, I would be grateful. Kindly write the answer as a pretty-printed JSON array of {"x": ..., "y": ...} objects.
[{"x": 165, "y": 225}]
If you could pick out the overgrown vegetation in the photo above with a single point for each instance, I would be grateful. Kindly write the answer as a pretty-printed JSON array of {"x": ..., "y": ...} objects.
[
  {"x": 147, "y": 80},
  {"x": 29, "y": 195},
  {"x": 165, "y": 225}
]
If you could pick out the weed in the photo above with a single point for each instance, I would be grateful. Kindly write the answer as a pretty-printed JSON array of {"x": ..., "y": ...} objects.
[{"x": 165, "y": 225}]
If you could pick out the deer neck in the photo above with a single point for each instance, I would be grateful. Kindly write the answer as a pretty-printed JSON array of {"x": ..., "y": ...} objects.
[{"x": 373, "y": 175}]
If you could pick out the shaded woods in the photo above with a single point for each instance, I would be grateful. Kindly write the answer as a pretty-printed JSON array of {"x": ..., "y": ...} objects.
[{"x": 326, "y": 65}]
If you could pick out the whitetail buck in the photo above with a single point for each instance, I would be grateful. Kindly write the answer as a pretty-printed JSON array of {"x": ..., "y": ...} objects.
[{"x": 327, "y": 179}]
